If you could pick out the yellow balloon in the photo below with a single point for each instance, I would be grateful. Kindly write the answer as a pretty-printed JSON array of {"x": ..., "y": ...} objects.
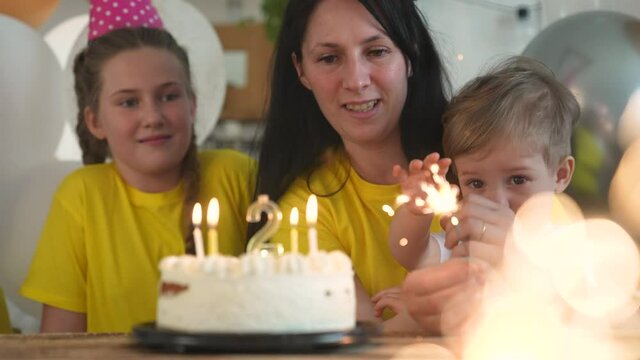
[{"x": 33, "y": 12}]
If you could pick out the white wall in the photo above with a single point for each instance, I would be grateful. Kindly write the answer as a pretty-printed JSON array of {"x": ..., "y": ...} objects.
[
  {"x": 471, "y": 33},
  {"x": 484, "y": 30},
  {"x": 479, "y": 30},
  {"x": 225, "y": 11}
]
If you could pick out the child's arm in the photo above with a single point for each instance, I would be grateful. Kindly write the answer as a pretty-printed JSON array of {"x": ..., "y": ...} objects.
[
  {"x": 409, "y": 229},
  {"x": 55, "y": 319},
  {"x": 409, "y": 236},
  {"x": 364, "y": 308}
]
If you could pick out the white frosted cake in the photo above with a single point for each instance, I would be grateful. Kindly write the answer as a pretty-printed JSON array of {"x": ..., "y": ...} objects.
[{"x": 292, "y": 293}]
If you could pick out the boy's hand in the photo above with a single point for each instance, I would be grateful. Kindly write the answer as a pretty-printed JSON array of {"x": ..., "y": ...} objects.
[
  {"x": 482, "y": 229},
  {"x": 418, "y": 173},
  {"x": 389, "y": 298}
]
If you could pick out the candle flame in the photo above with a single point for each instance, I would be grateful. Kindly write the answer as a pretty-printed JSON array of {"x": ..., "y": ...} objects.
[
  {"x": 312, "y": 210},
  {"x": 196, "y": 215},
  {"x": 213, "y": 212},
  {"x": 293, "y": 217}
]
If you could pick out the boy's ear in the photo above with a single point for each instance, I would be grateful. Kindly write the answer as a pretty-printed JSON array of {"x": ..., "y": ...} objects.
[
  {"x": 564, "y": 172},
  {"x": 91, "y": 120},
  {"x": 298, "y": 66}
]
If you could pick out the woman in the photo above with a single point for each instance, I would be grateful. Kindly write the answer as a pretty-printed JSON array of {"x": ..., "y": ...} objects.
[{"x": 357, "y": 87}]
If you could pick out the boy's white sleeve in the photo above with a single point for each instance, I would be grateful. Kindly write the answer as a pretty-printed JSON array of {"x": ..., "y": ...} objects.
[
  {"x": 436, "y": 252},
  {"x": 445, "y": 254}
]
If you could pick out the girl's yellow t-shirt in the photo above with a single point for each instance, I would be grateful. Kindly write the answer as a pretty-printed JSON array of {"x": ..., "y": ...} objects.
[
  {"x": 103, "y": 239},
  {"x": 5, "y": 324}
]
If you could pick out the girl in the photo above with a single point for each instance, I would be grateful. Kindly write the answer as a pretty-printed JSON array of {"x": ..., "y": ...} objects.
[{"x": 95, "y": 268}]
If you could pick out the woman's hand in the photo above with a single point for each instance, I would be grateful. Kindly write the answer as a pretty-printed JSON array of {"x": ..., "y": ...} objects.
[
  {"x": 438, "y": 297},
  {"x": 482, "y": 229}
]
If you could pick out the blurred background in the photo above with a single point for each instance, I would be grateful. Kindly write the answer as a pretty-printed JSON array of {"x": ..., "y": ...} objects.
[{"x": 593, "y": 46}]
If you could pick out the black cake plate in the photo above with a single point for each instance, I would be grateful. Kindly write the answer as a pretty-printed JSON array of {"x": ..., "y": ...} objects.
[{"x": 149, "y": 335}]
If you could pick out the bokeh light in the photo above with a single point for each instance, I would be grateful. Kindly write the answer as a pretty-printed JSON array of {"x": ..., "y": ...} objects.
[
  {"x": 624, "y": 194},
  {"x": 536, "y": 219},
  {"x": 600, "y": 270}
]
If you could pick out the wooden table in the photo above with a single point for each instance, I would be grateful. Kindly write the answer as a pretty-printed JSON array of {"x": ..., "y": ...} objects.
[{"x": 122, "y": 346}]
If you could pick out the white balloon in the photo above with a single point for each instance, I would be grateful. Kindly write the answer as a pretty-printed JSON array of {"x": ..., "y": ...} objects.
[
  {"x": 26, "y": 198},
  {"x": 31, "y": 115},
  {"x": 595, "y": 54},
  {"x": 193, "y": 31},
  {"x": 62, "y": 37},
  {"x": 30, "y": 98},
  {"x": 554, "y": 10}
]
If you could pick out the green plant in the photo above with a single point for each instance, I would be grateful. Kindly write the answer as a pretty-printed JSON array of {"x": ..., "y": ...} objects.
[{"x": 273, "y": 11}]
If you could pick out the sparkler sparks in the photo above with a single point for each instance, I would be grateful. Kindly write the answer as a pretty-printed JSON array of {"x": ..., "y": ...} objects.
[
  {"x": 388, "y": 209},
  {"x": 440, "y": 197}
]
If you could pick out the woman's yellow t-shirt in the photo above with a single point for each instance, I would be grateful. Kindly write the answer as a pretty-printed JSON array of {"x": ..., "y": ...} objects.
[{"x": 350, "y": 218}]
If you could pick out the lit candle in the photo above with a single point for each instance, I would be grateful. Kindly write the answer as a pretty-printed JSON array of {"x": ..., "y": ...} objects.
[
  {"x": 312, "y": 217},
  {"x": 196, "y": 218},
  {"x": 293, "y": 220},
  {"x": 213, "y": 215}
]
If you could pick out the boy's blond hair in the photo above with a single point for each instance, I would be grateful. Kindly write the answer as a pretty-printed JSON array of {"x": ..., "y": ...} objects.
[{"x": 520, "y": 100}]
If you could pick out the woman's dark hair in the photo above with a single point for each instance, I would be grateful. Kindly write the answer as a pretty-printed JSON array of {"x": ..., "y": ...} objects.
[
  {"x": 87, "y": 69},
  {"x": 296, "y": 133}
]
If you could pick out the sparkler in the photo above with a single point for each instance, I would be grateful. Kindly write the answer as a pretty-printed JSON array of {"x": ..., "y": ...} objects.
[{"x": 440, "y": 197}]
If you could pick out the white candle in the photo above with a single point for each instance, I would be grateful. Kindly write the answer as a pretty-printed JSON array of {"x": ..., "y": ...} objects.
[
  {"x": 196, "y": 218},
  {"x": 293, "y": 220},
  {"x": 213, "y": 215},
  {"x": 312, "y": 217}
]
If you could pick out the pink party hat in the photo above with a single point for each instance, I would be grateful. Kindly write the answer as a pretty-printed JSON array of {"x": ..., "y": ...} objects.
[{"x": 107, "y": 15}]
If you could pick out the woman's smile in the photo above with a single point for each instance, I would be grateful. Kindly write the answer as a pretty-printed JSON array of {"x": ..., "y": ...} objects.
[{"x": 361, "y": 106}]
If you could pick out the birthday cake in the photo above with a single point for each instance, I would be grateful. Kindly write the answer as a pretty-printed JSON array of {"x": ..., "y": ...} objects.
[{"x": 257, "y": 293}]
